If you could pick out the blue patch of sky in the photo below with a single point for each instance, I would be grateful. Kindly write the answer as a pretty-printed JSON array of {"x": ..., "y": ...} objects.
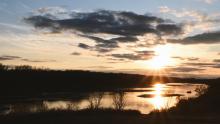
[{"x": 12, "y": 11}]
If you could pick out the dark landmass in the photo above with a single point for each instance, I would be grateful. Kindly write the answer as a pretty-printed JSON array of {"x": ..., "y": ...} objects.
[{"x": 29, "y": 82}]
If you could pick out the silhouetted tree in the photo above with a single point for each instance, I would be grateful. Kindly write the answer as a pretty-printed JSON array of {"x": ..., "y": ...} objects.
[
  {"x": 95, "y": 100},
  {"x": 119, "y": 100},
  {"x": 24, "y": 68},
  {"x": 4, "y": 67}
]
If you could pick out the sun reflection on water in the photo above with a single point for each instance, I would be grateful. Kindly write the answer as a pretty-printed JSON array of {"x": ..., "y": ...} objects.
[{"x": 158, "y": 101}]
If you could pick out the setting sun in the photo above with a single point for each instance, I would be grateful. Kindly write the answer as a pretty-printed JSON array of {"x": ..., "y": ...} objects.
[{"x": 162, "y": 57}]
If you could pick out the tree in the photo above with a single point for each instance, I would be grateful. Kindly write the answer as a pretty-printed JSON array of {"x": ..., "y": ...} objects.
[{"x": 119, "y": 100}]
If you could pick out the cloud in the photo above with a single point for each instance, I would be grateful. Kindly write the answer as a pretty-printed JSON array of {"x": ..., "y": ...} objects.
[
  {"x": 178, "y": 57},
  {"x": 56, "y": 12},
  {"x": 139, "y": 55},
  {"x": 104, "y": 21},
  {"x": 200, "y": 64},
  {"x": 8, "y": 57},
  {"x": 76, "y": 53},
  {"x": 193, "y": 20},
  {"x": 204, "y": 38},
  {"x": 216, "y": 60},
  {"x": 216, "y": 66},
  {"x": 196, "y": 15},
  {"x": 145, "y": 52},
  {"x": 186, "y": 58},
  {"x": 30, "y": 60},
  {"x": 107, "y": 45},
  {"x": 126, "y": 26},
  {"x": 95, "y": 22},
  {"x": 169, "y": 29},
  {"x": 102, "y": 43},
  {"x": 125, "y": 39},
  {"x": 192, "y": 59},
  {"x": 186, "y": 69},
  {"x": 84, "y": 46}
]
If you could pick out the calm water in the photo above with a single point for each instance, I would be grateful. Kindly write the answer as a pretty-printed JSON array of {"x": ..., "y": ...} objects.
[{"x": 158, "y": 96}]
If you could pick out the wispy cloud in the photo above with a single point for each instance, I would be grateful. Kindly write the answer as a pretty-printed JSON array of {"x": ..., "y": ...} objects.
[
  {"x": 11, "y": 58},
  {"x": 193, "y": 20},
  {"x": 76, "y": 53},
  {"x": 186, "y": 69},
  {"x": 205, "y": 38},
  {"x": 139, "y": 55},
  {"x": 8, "y": 57}
]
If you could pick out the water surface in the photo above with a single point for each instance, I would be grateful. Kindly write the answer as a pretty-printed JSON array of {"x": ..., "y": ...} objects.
[{"x": 158, "y": 96}]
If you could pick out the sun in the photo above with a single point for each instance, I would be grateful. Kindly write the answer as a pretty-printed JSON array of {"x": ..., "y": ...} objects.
[{"x": 162, "y": 57}]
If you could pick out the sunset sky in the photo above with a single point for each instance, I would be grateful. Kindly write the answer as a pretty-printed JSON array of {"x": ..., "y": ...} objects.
[{"x": 171, "y": 37}]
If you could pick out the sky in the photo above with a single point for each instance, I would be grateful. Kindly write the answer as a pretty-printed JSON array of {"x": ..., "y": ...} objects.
[{"x": 167, "y": 37}]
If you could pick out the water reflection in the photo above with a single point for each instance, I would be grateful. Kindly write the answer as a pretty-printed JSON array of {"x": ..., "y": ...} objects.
[
  {"x": 158, "y": 96},
  {"x": 159, "y": 100}
]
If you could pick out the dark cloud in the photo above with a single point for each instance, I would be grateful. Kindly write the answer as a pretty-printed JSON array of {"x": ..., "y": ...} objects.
[
  {"x": 99, "y": 40},
  {"x": 139, "y": 55},
  {"x": 110, "y": 22},
  {"x": 216, "y": 60},
  {"x": 216, "y": 66},
  {"x": 200, "y": 64},
  {"x": 126, "y": 25},
  {"x": 102, "y": 48},
  {"x": 102, "y": 45},
  {"x": 43, "y": 22},
  {"x": 128, "y": 56},
  {"x": 84, "y": 46},
  {"x": 205, "y": 38},
  {"x": 178, "y": 57},
  {"x": 192, "y": 59},
  {"x": 186, "y": 58},
  {"x": 146, "y": 52},
  {"x": 30, "y": 60},
  {"x": 186, "y": 69},
  {"x": 168, "y": 29},
  {"x": 103, "y": 21},
  {"x": 76, "y": 53},
  {"x": 7, "y": 57},
  {"x": 117, "y": 60},
  {"x": 125, "y": 39}
]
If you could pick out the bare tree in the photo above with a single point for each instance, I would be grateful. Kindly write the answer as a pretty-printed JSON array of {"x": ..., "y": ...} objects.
[
  {"x": 119, "y": 100},
  {"x": 95, "y": 100},
  {"x": 4, "y": 67},
  {"x": 72, "y": 106}
]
